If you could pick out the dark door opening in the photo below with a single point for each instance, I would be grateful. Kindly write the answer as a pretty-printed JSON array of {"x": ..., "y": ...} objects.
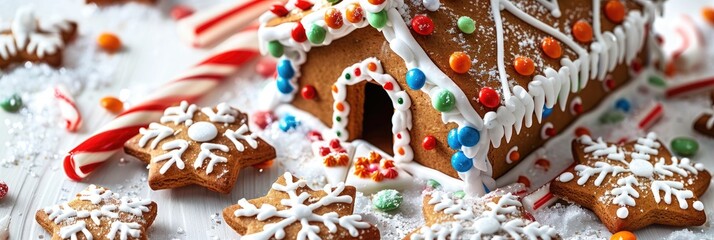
[{"x": 377, "y": 121}]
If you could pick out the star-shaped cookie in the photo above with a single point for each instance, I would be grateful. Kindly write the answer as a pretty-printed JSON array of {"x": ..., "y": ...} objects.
[
  {"x": 497, "y": 215},
  {"x": 97, "y": 213},
  {"x": 633, "y": 185},
  {"x": 206, "y": 147},
  {"x": 291, "y": 210}
]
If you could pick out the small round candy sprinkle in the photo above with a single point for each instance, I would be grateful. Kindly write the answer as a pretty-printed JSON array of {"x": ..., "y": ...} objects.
[
  {"x": 623, "y": 105},
  {"x": 377, "y": 20},
  {"x": 284, "y": 85},
  {"x": 279, "y": 10},
  {"x": 12, "y": 104},
  {"x": 460, "y": 62},
  {"x": 524, "y": 65},
  {"x": 514, "y": 156},
  {"x": 615, "y": 11},
  {"x": 623, "y": 235},
  {"x": 489, "y": 97},
  {"x": 551, "y": 47},
  {"x": 275, "y": 48},
  {"x": 354, "y": 13},
  {"x": 262, "y": 118},
  {"x": 444, "y": 101},
  {"x": 461, "y": 162},
  {"x": 684, "y": 146},
  {"x": 288, "y": 122},
  {"x": 547, "y": 112},
  {"x": 582, "y": 131},
  {"x": 298, "y": 33},
  {"x": 181, "y": 11},
  {"x": 333, "y": 18},
  {"x": 429, "y": 143},
  {"x": 387, "y": 200},
  {"x": 466, "y": 25},
  {"x": 582, "y": 31},
  {"x": 109, "y": 42},
  {"x": 708, "y": 14},
  {"x": 308, "y": 92},
  {"x": 469, "y": 136},
  {"x": 416, "y": 78},
  {"x": 266, "y": 67},
  {"x": 3, "y": 190},
  {"x": 453, "y": 139},
  {"x": 423, "y": 25},
  {"x": 376, "y": 2},
  {"x": 111, "y": 104},
  {"x": 316, "y": 34},
  {"x": 433, "y": 184},
  {"x": 285, "y": 69}
]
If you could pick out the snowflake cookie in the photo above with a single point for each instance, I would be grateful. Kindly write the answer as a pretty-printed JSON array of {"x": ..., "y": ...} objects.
[
  {"x": 97, "y": 213},
  {"x": 291, "y": 210},
  {"x": 206, "y": 147},
  {"x": 633, "y": 185},
  {"x": 498, "y": 215}
]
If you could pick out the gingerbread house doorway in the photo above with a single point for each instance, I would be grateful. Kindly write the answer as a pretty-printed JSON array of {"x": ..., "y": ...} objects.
[{"x": 377, "y": 117}]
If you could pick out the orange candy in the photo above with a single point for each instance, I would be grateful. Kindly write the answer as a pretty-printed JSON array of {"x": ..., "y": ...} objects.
[
  {"x": 623, "y": 235},
  {"x": 582, "y": 31},
  {"x": 372, "y": 66},
  {"x": 333, "y": 18},
  {"x": 460, "y": 62},
  {"x": 551, "y": 47},
  {"x": 109, "y": 42},
  {"x": 615, "y": 11},
  {"x": 708, "y": 14},
  {"x": 514, "y": 156},
  {"x": 376, "y": 2},
  {"x": 264, "y": 165},
  {"x": 112, "y": 104},
  {"x": 524, "y": 65},
  {"x": 354, "y": 13}
]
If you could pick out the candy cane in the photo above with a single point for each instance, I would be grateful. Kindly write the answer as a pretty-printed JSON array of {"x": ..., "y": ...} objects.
[
  {"x": 647, "y": 117},
  {"x": 681, "y": 88},
  {"x": 193, "y": 84},
  {"x": 209, "y": 26},
  {"x": 540, "y": 198},
  {"x": 68, "y": 109}
]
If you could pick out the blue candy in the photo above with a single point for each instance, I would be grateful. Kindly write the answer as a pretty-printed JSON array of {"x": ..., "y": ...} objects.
[
  {"x": 285, "y": 69},
  {"x": 547, "y": 111},
  {"x": 284, "y": 86},
  {"x": 469, "y": 136},
  {"x": 461, "y": 162},
  {"x": 415, "y": 79},
  {"x": 288, "y": 122},
  {"x": 453, "y": 139},
  {"x": 623, "y": 105}
]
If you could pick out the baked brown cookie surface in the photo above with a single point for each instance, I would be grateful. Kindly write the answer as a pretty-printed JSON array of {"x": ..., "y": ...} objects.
[{"x": 633, "y": 185}]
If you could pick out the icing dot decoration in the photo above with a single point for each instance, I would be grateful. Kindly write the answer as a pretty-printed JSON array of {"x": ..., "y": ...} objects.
[
  {"x": 623, "y": 235},
  {"x": 582, "y": 31},
  {"x": 202, "y": 131},
  {"x": 333, "y": 18},
  {"x": 109, "y": 42},
  {"x": 466, "y": 24},
  {"x": 298, "y": 33},
  {"x": 387, "y": 200},
  {"x": 416, "y": 78},
  {"x": 453, "y": 139},
  {"x": 275, "y": 49},
  {"x": 111, "y": 104},
  {"x": 308, "y": 92},
  {"x": 489, "y": 97},
  {"x": 377, "y": 20},
  {"x": 279, "y": 10},
  {"x": 684, "y": 146},
  {"x": 354, "y": 13},
  {"x": 444, "y": 101},
  {"x": 708, "y": 14},
  {"x": 551, "y": 47},
  {"x": 13, "y": 103},
  {"x": 460, "y": 62},
  {"x": 288, "y": 122},
  {"x": 524, "y": 65},
  {"x": 284, "y": 86},
  {"x": 316, "y": 34},
  {"x": 429, "y": 143},
  {"x": 285, "y": 69},
  {"x": 469, "y": 136},
  {"x": 615, "y": 11},
  {"x": 623, "y": 105},
  {"x": 423, "y": 25},
  {"x": 461, "y": 162}
]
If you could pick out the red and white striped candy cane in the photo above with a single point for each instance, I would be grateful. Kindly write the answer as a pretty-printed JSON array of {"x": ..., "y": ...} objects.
[
  {"x": 68, "y": 109},
  {"x": 228, "y": 59}
]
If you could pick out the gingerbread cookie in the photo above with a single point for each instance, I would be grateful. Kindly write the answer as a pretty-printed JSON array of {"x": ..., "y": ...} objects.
[
  {"x": 29, "y": 39},
  {"x": 633, "y": 185},
  {"x": 494, "y": 216},
  {"x": 97, "y": 213},
  {"x": 291, "y": 210},
  {"x": 206, "y": 147}
]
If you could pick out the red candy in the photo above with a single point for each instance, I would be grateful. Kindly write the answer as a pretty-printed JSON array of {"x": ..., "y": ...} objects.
[
  {"x": 263, "y": 118},
  {"x": 582, "y": 131},
  {"x": 335, "y": 144},
  {"x": 489, "y": 97},
  {"x": 3, "y": 190},
  {"x": 304, "y": 5},
  {"x": 298, "y": 33},
  {"x": 314, "y": 136},
  {"x": 265, "y": 67},
  {"x": 324, "y": 151},
  {"x": 279, "y": 10},
  {"x": 308, "y": 92},
  {"x": 525, "y": 181},
  {"x": 543, "y": 164},
  {"x": 429, "y": 143},
  {"x": 181, "y": 11},
  {"x": 423, "y": 25}
]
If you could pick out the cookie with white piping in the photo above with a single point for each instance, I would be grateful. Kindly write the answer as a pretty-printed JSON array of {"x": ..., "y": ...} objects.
[
  {"x": 634, "y": 185},
  {"x": 98, "y": 213},
  {"x": 206, "y": 147}
]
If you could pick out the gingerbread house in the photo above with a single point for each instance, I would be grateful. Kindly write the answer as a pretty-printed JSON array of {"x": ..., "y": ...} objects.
[{"x": 467, "y": 88}]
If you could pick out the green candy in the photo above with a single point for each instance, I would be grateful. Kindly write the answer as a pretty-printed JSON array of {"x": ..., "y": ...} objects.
[
  {"x": 275, "y": 49},
  {"x": 466, "y": 24},
  {"x": 612, "y": 117},
  {"x": 684, "y": 146},
  {"x": 444, "y": 101},
  {"x": 316, "y": 34},
  {"x": 459, "y": 194},
  {"x": 377, "y": 20},
  {"x": 334, "y": 2},
  {"x": 657, "y": 81},
  {"x": 11, "y": 104},
  {"x": 433, "y": 184},
  {"x": 387, "y": 200}
]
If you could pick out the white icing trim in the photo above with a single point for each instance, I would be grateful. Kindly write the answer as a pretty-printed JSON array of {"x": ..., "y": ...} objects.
[
  {"x": 182, "y": 113},
  {"x": 206, "y": 149},
  {"x": 156, "y": 131},
  {"x": 26, "y": 35},
  {"x": 242, "y": 134},
  {"x": 177, "y": 147}
]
